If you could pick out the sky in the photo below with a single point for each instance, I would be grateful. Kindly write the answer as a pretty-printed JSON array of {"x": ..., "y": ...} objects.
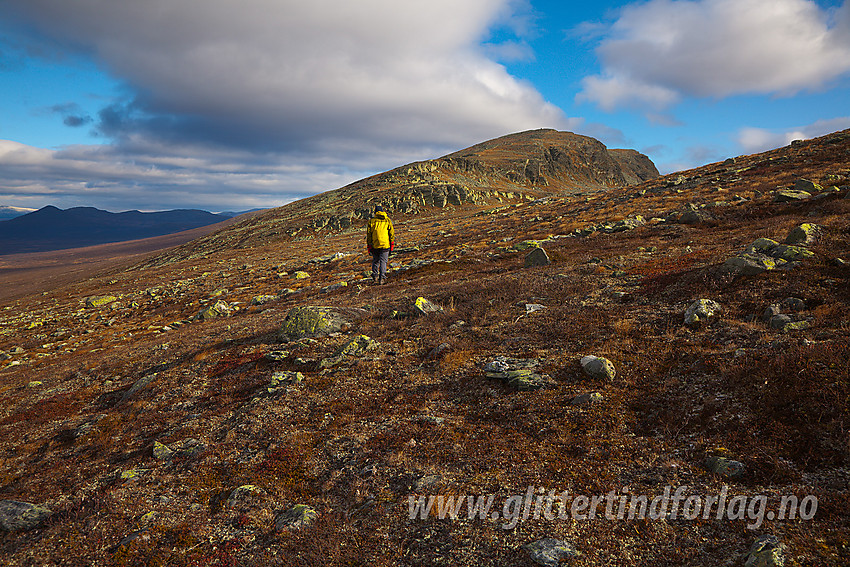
[{"x": 229, "y": 105}]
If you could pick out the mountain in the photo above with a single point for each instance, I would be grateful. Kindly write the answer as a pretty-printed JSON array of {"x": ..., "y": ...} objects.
[
  {"x": 51, "y": 228},
  {"x": 514, "y": 168},
  {"x": 7, "y": 212},
  {"x": 648, "y": 374}
]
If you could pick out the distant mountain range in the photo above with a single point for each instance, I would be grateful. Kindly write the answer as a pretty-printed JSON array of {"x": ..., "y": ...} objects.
[{"x": 51, "y": 228}]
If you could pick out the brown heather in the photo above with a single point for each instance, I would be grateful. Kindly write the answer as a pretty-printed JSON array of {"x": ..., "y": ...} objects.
[{"x": 353, "y": 441}]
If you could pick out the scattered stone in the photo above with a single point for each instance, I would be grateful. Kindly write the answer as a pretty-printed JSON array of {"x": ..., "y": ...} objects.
[
  {"x": 525, "y": 245},
  {"x": 766, "y": 551},
  {"x": 161, "y": 452},
  {"x": 517, "y": 373},
  {"x": 284, "y": 378},
  {"x": 99, "y": 300},
  {"x": 219, "y": 309},
  {"x": 537, "y": 257},
  {"x": 725, "y": 467},
  {"x": 598, "y": 368},
  {"x": 702, "y": 310},
  {"x": 428, "y": 481},
  {"x": 277, "y": 355},
  {"x": 804, "y": 235},
  {"x": 423, "y": 306},
  {"x": 772, "y": 311},
  {"x": 779, "y": 321},
  {"x": 133, "y": 474},
  {"x": 138, "y": 386},
  {"x": 300, "y": 276},
  {"x": 358, "y": 346},
  {"x": 263, "y": 299},
  {"x": 794, "y": 304},
  {"x": 437, "y": 351},
  {"x": 244, "y": 497},
  {"x": 791, "y": 195},
  {"x": 807, "y": 186},
  {"x": 21, "y": 516},
  {"x": 694, "y": 215},
  {"x": 749, "y": 264},
  {"x": 35, "y": 384},
  {"x": 313, "y": 322},
  {"x": 550, "y": 552},
  {"x": 532, "y": 307},
  {"x": 589, "y": 397},
  {"x": 298, "y": 517},
  {"x": 333, "y": 287}
]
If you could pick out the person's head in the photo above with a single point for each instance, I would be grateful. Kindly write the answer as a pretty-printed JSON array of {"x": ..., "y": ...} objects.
[{"x": 379, "y": 209}]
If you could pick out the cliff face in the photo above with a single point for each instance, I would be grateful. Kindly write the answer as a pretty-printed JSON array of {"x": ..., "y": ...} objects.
[{"x": 513, "y": 168}]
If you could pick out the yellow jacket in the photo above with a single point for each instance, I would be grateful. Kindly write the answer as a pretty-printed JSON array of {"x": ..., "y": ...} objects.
[{"x": 380, "y": 232}]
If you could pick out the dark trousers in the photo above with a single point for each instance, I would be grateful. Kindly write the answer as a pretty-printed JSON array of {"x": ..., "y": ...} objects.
[{"x": 380, "y": 257}]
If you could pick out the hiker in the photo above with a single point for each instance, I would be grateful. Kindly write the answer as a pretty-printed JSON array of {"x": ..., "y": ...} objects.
[{"x": 380, "y": 241}]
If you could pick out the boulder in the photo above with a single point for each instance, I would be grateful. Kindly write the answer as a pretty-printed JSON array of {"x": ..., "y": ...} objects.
[
  {"x": 725, "y": 467},
  {"x": 702, "y": 310},
  {"x": 423, "y": 306},
  {"x": 517, "y": 373},
  {"x": 598, "y": 368},
  {"x": 807, "y": 186},
  {"x": 804, "y": 235},
  {"x": 791, "y": 195},
  {"x": 550, "y": 552},
  {"x": 766, "y": 551},
  {"x": 219, "y": 309},
  {"x": 298, "y": 517},
  {"x": 749, "y": 264},
  {"x": 589, "y": 397},
  {"x": 537, "y": 257},
  {"x": 99, "y": 300},
  {"x": 312, "y": 322},
  {"x": 779, "y": 321},
  {"x": 21, "y": 516}
]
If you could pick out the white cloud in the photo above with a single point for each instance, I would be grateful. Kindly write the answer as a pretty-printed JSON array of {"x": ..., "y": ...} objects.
[
  {"x": 659, "y": 51},
  {"x": 289, "y": 73},
  {"x": 282, "y": 98},
  {"x": 754, "y": 140}
]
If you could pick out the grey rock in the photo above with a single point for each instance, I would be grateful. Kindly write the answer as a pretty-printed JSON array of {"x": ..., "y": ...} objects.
[
  {"x": 791, "y": 195},
  {"x": 598, "y": 368},
  {"x": 749, "y": 264},
  {"x": 537, "y": 257},
  {"x": 804, "y": 235},
  {"x": 550, "y": 552},
  {"x": 423, "y": 306},
  {"x": 725, "y": 467},
  {"x": 766, "y": 551},
  {"x": 21, "y": 516},
  {"x": 589, "y": 397},
  {"x": 701, "y": 311},
  {"x": 298, "y": 517},
  {"x": 794, "y": 304},
  {"x": 779, "y": 321},
  {"x": 807, "y": 186},
  {"x": 772, "y": 311}
]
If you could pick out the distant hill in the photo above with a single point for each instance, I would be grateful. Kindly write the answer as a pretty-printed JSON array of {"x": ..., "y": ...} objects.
[
  {"x": 7, "y": 212},
  {"x": 51, "y": 228}
]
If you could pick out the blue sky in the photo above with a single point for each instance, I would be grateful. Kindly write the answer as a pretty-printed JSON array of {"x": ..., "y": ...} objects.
[{"x": 157, "y": 104}]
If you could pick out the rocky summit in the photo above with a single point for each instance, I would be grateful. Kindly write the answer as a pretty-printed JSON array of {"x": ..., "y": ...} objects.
[{"x": 574, "y": 361}]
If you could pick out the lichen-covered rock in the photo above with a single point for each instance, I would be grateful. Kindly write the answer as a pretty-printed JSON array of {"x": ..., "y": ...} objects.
[
  {"x": 312, "y": 322},
  {"x": 550, "y": 552},
  {"x": 21, "y": 516},
  {"x": 245, "y": 497},
  {"x": 219, "y": 309},
  {"x": 298, "y": 517},
  {"x": 725, "y": 467},
  {"x": 701, "y": 311},
  {"x": 517, "y": 373},
  {"x": 537, "y": 257},
  {"x": 791, "y": 195},
  {"x": 334, "y": 287},
  {"x": 779, "y": 321},
  {"x": 358, "y": 346},
  {"x": 300, "y": 275},
  {"x": 99, "y": 300},
  {"x": 263, "y": 299},
  {"x": 804, "y": 235},
  {"x": 161, "y": 452},
  {"x": 766, "y": 551},
  {"x": 423, "y": 306},
  {"x": 587, "y": 398},
  {"x": 807, "y": 186},
  {"x": 598, "y": 368},
  {"x": 283, "y": 378},
  {"x": 750, "y": 264}
]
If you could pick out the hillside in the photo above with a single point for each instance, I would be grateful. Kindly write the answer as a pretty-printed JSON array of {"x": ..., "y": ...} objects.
[
  {"x": 51, "y": 228},
  {"x": 186, "y": 411}
]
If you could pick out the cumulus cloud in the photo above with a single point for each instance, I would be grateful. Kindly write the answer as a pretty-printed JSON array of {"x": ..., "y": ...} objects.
[
  {"x": 284, "y": 74},
  {"x": 659, "y": 51},
  {"x": 310, "y": 95},
  {"x": 754, "y": 140}
]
